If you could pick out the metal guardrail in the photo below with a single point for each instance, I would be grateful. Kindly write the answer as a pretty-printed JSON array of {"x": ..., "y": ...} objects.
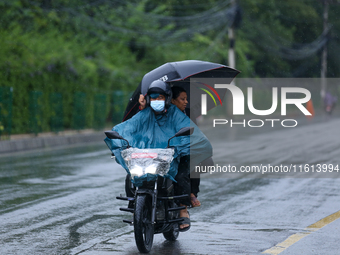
[
  {"x": 79, "y": 111},
  {"x": 99, "y": 117},
  {"x": 119, "y": 101},
  {"x": 57, "y": 112},
  {"x": 108, "y": 107},
  {"x": 35, "y": 112},
  {"x": 6, "y": 105}
]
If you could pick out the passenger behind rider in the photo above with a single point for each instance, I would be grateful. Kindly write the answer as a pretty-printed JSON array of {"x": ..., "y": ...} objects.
[{"x": 180, "y": 99}]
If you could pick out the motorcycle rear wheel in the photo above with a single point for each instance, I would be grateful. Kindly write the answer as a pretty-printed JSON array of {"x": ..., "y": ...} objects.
[
  {"x": 143, "y": 227},
  {"x": 172, "y": 234}
]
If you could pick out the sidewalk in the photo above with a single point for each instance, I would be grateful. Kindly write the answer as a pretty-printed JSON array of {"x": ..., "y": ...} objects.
[{"x": 19, "y": 143}]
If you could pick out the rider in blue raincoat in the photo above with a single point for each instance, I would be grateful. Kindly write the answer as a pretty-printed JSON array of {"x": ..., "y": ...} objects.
[{"x": 152, "y": 128}]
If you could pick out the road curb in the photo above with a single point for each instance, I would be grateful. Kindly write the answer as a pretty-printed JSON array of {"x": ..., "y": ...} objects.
[{"x": 34, "y": 143}]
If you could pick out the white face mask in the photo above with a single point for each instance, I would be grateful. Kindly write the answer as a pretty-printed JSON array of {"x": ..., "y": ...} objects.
[{"x": 157, "y": 105}]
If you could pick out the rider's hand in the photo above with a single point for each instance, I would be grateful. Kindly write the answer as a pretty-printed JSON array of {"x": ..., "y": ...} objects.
[{"x": 142, "y": 102}]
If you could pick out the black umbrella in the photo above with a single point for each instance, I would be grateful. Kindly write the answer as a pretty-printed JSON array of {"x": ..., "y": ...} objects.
[{"x": 179, "y": 74}]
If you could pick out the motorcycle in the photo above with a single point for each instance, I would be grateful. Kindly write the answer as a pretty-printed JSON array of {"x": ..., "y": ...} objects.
[{"x": 153, "y": 204}]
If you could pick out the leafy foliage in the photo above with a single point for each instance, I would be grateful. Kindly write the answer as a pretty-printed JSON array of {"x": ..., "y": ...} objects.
[{"x": 98, "y": 47}]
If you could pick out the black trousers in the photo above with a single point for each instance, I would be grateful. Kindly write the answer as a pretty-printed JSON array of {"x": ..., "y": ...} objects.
[
  {"x": 183, "y": 185},
  {"x": 195, "y": 185},
  {"x": 195, "y": 177}
]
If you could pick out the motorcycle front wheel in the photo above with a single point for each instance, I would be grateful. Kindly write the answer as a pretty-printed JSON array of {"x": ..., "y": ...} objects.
[{"x": 143, "y": 227}]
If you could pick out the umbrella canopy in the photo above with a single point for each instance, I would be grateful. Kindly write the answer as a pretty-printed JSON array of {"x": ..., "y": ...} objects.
[
  {"x": 177, "y": 71},
  {"x": 178, "y": 74}
]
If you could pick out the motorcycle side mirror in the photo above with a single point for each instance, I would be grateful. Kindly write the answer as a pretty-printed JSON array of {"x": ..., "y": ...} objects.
[
  {"x": 115, "y": 135},
  {"x": 182, "y": 132},
  {"x": 185, "y": 131}
]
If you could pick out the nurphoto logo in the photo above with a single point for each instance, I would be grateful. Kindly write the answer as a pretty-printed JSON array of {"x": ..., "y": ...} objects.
[{"x": 238, "y": 104}]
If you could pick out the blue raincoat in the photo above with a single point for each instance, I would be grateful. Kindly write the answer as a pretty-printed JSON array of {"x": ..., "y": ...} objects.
[{"x": 148, "y": 130}]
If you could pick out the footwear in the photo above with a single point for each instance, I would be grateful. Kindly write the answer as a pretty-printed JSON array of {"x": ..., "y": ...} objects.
[
  {"x": 194, "y": 201},
  {"x": 186, "y": 220}
]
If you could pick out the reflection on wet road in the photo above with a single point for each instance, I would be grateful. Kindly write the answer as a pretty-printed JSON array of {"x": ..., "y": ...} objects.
[{"x": 63, "y": 202}]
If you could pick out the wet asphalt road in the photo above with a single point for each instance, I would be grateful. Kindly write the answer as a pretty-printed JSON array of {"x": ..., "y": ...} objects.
[{"x": 63, "y": 201}]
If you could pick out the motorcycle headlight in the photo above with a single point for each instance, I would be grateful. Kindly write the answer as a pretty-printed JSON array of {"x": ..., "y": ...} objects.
[
  {"x": 136, "y": 171},
  {"x": 151, "y": 169}
]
